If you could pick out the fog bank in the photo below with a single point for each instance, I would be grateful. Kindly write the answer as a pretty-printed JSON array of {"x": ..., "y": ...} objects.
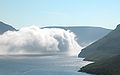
[{"x": 35, "y": 40}]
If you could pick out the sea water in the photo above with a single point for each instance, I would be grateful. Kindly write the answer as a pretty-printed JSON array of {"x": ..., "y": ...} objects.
[{"x": 41, "y": 65}]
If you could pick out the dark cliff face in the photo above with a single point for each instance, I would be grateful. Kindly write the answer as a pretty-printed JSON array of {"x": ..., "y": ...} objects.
[
  {"x": 5, "y": 27},
  {"x": 85, "y": 34},
  {"x": 106, "y": 47}
]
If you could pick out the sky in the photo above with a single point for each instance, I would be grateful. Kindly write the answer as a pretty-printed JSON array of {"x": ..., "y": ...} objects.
[{"x": 100, "y": 13}]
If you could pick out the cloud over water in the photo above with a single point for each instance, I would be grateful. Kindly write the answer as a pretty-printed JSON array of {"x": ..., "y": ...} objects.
[{"x": 35, "y": 40}]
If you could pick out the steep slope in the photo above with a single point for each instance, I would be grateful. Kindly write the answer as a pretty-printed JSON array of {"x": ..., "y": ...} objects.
[
  {"x": 110, "y": 66},
  {"x": 86, "y": 35},
  {"x": 106, "y": 47},
  {"x": 5, "y": 27}
]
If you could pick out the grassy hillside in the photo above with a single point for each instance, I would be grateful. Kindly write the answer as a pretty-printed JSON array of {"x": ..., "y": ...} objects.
[{"x": 109, "y": 66}]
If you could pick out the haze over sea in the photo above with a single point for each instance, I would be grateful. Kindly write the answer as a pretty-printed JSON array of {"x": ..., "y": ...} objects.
[{"x": 41, "y": 65}]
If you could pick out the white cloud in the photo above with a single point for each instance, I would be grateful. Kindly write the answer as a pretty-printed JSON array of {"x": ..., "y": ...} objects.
[{"x": 39, "y": 40}]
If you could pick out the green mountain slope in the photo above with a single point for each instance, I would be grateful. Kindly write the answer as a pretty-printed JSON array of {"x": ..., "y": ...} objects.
[{"x": 106, "y": 47}]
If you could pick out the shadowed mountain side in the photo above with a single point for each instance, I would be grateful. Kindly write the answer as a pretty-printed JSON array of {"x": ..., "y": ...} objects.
[
  {"x": 106, "y": 54},
  {"x": 109, "y": 66},
  {"x": 5, "y": 27},
  {"x": 106, "y": 47},
  {"x": 85, "y": 34}
]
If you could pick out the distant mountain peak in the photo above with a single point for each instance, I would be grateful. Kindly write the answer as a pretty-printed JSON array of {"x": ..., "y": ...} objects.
[
  {"x": 118, "y": 26},
  {"x": 2, "y": 22},
  {"x": 5, "y": 27}
]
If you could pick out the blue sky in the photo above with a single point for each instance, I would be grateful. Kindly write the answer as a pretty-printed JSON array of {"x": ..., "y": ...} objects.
[{"x": 101, "y": 13}]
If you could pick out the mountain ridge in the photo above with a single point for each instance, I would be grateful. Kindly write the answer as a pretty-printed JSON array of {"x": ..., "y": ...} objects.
[
  {"x": 86, "y": 34},
  {"x": 105, "y": 53},
  {"x": 105, "y": 47},
  {"x": 5, "y": 27}
]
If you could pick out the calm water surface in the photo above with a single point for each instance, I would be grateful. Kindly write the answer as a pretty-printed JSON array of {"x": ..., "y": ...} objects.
[{"x": 43, "y": 65}]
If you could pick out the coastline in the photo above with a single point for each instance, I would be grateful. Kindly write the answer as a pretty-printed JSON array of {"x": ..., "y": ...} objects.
[{"x": 108, "y": 66}]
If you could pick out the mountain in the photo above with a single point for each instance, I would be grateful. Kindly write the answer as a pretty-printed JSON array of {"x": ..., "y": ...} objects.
[
  {"x": 105, "y": 53},
  {"x": 86, "y": 35},
  {"x": 104, "y": 48},
  {"x": 5, "y": 27},
  {"x": 110, "y": 66}
]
